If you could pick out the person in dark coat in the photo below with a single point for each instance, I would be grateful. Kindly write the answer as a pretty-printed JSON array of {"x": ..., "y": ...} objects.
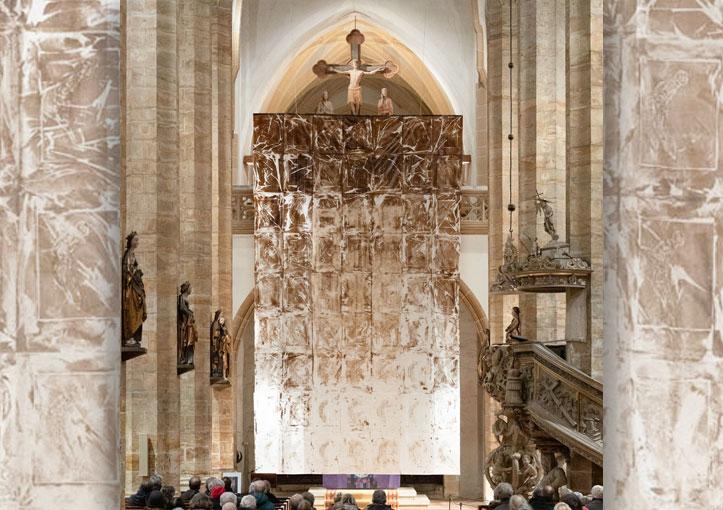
[
  {"x": 258, "y": 491},
  {"x": 597, "y": 498},
  {"x": 543, "y": 498},
  {"x": 379, "y": 501},
  {"x": 194, "y": 487},
  {"x": 572, "y": 500},
  {"x": 156, "y": 500}
]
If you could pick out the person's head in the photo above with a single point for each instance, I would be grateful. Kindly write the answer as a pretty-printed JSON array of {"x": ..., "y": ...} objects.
[
  {"x": 572, "y": 500},
  {"x": 257, "y": 487},
  {"x": 303, "y": 505},
  {"x": 186, "y": 288},
  {"x": 168, "y": 492},
  {"x": 228, "y": 497},
  {"x": 200, "y": 502},
  {"x": 503, "y": 492},
  {"x": 267, "y": 486},
  {"x": 177, "y": 503},
  {"x": 384, "y": 92},
  {"x": 217, "y": 491},
  {"x": 194, "y": 483},
  {"x": 379, "y": 497},
  {"x": 537, "y": 492},
  {"x": 548, "y": 492},
  {"x": 294, "y": 501},
  {"x": 308, "y": 496},
  {"x": 348, "y": 499},
  {"x": 248, "y": 502},
  {"x": 517, "y": 502},
  {"x": 228, "y": 506},
  {"x": 226, "y": 479},
  {"x": 562, "y": 506},
  {"x": 596, "y": 492},
  {"x": 156, "y": 500},
  {"x": 155, "y": 481},
  {"x": 325, "y": 95}
]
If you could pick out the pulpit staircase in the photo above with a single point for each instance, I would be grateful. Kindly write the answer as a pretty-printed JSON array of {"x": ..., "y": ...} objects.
[{"x": 545, "y": 400}]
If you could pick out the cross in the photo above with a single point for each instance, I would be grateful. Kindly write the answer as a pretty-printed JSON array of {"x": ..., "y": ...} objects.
[{"x": 355, "y": 69}]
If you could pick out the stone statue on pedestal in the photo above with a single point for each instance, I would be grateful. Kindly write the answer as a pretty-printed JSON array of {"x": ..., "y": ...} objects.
[
  {"x": 385, "y": 105},
  {"x": 543, "y": 206},
  {"x": 187, "y": 334},
  {"x": 324, "y": 107},
  {"x": 514, "y": 327},
  {"x": 220, "y": 347},
  {"x": 133, "y": 306}
]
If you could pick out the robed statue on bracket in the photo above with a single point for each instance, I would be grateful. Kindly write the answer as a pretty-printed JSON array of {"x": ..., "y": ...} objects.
[
  {"x": 220, "y": 348},
  {"x": 187, "y": 334},
  {"x": 133, "y": 305}
]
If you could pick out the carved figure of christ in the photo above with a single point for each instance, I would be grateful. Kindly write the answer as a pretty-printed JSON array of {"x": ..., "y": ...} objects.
[{"x": 353, "y": 96}]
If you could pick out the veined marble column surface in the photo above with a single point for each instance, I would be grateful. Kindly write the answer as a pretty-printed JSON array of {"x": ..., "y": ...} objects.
[
  {"x": 59, "y": 254},
  {"x": 663, "y": 217}
]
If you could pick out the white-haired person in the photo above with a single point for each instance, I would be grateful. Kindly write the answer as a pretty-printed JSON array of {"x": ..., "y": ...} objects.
[
  {"x": 503, "y": 493},
  {"x": 518, "y": 502},
  {"x": 248, "y": 502},
  {"x": 258, "y": 490},
  {"x": 596, "y": 493},
  {"x": 228, "y": 497},
  {"x": 562, "y": 506}
]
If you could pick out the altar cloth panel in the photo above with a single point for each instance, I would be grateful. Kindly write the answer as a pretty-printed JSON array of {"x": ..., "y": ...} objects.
[{"x": 357, "y": 293}]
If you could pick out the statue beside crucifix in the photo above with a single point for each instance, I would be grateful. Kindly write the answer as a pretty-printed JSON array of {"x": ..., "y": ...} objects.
[{"x": 356, "y": 69}]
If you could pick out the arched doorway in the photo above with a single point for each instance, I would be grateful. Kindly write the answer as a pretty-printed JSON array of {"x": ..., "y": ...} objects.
[{"x": 472, "y": 330}]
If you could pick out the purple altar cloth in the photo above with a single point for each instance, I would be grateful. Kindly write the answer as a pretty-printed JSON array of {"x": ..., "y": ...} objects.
[{"x": 361, "y": 481}]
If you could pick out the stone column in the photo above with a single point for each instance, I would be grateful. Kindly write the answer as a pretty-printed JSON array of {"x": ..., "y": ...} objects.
[
  {"x": 222, "y": 454},
  {"x": 663, "y": 264},
  {"x": 195, "y": 197},
  {"x": 584, "y": 176},
  {"x": 149, "y": 166}
]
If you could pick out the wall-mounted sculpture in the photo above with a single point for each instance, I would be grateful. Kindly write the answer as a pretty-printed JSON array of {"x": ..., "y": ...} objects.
[
  {"x": 385, "y": 106},
  {"x": 187, "y": 334},
  {"x": 220, "y": 349},
  {"x": 133, "y": 305},
  {"x": 324, "y": 107}
]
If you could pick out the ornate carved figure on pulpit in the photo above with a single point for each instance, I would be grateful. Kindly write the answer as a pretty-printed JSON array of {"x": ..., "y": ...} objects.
[
  {"x": 514, "y": 460},
  {"x": 133, "y": 305},
  {"x": 220, "y": 347},
  {"x": 356, "y": 70},
  {"x": 514, "y": 327},
  {"x": 324, "y": 107},
  {"x": 385, "y": 105},
  {"x": 187, "y": 334},
  {"x": 543, "y": 206}
]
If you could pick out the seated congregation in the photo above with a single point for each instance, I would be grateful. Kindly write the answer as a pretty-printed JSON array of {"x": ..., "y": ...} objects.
[
  {"x": 546, "y": 498},
  {"x": 217, "y": 494}
]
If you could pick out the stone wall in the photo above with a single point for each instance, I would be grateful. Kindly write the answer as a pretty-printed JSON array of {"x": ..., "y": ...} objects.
[{"x": 177, "y": 195}]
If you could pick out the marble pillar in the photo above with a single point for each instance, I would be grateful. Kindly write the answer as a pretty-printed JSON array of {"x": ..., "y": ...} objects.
[
  {"x": 663, "y": 243},
  {"x": 60, "y": 253}
]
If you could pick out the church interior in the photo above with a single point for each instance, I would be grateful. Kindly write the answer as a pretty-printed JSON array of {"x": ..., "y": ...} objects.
[
  {"x": 360, "y": 254},
  {"x": 365, "y": 246}
]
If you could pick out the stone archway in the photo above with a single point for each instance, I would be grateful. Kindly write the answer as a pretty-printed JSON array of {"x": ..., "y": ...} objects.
[{"x": 473, "y": 329}]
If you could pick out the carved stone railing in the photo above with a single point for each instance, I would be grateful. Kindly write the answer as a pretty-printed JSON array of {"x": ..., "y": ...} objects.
[
  {"x": 473, "y": 210},
  {"x": 561, "y": 401}
]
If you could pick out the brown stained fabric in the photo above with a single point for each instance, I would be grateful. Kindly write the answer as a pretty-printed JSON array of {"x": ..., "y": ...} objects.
[{"x": 357, "y": 281}]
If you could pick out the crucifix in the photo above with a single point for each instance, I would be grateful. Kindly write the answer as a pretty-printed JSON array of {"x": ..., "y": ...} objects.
[{"x": 355, "y": 69}]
